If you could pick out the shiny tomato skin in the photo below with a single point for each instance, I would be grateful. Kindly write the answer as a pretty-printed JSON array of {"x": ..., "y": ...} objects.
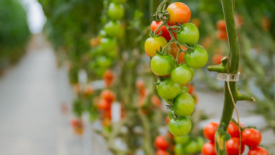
[
  {"x": 181, "y": 74},
  {"x": 196, "y": 58},
  {"x": 115, "y": 11},
  {"x": 233, "y": 129},
  {"x": 189, "y": 34},
  {"x": 209, "y": 149},
  {"x": 251, "y": 137},
  {"x": 232, "y": 146},
  {"x": 210, "y": 130},
  {"x": 154, "y": 44},
  {"x": 168, "y": 89},
  {"x": 182, "y": 140},
  {"x": 179, "y": 149},
  {"x": 180, "y": 127},
  {"x": 191, "y": 147},
  {"x": 108, "y": 44},
  {"x": 114, "y": 29},
  {"x": 162, "y": 65},
  {"x": 165, "y": 33},
  {"x": 258, "y": 151},
  {"x": 184, "y": 104},
  {"x": 179, "y": 13},
  {"x": 161, "y": 143}
]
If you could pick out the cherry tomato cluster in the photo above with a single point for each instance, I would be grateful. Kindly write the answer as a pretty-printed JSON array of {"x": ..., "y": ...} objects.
[
  {"x": 78, "y": 126},
  {"x": 249, "y": 137},
  {"x": 174, "y": 56},
  {"x": 108, "y": 78}
]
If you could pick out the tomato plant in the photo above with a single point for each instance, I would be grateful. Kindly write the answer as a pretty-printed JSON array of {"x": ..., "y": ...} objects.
[
  {"x": 154, "y": 44},
  {"x": 182, "y": 74},
  {"x": 189, "y": 34},
  {"x": 163, "y": 29},
  {"x": 168, "y": 89},
  {"x": 115, "y": 11},
  {"x": 179, "y": 13},
  {"x": 162, "y": 65},
  {"x": 108, "y": 44},
  {"x": 232, "y": 146},
  {"x": 209, "y": 149},
  {"x": 161, "y": 143},
  {"x": 197, "y": 57},
  {"x": 114, "y": 29},
  {"x": 258, "y": 151},
  {"x": 180, "y": 127},
  {"x": 210, "y": 130},
  {"x": 251, "y": 137},
  {"x": 184, "y": 104}
]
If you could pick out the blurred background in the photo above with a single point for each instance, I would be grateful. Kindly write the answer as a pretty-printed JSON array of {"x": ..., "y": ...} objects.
[{"x": 53, "y": 72}]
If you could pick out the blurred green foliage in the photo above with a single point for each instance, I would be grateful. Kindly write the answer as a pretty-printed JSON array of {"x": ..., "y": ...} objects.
[{"x": 14, "y": 31}]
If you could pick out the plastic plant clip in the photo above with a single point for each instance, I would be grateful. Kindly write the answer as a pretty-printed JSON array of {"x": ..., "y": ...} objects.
[
  {"x": 116, "y": 112},
  {"x": 228, "y": 77}
]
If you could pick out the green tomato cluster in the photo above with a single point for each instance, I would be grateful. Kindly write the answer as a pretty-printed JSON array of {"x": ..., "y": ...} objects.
[{"x": 185, "y": 145}]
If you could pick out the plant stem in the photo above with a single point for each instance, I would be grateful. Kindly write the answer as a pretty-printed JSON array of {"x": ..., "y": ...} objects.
[{"x": 233, "y": 66}]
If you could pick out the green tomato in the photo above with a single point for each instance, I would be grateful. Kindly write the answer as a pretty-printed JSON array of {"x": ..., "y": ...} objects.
[
  {"x": 108, "y": 44},
  {"x": 189, "y": 34},
  {"x": 99, "y": 72},
  {"x": 180, "y": 127},
  {"x": 168, "y": 89},
  {"x": 184, "y": 89},
  {"x": 193, "y": 72},
  {"x": 162, "y": 65},
  {"x": 119, "y": 1},
  {"x": 115, "y": 11},
  {"x": 114, "y": 29},
  {"x": 112, "y": 53},
  {"x": 92, "y": 65},
  {"x": 182, "y": 140},
  {"x": 200, "y": 142},
  {"x": 196, "y": 58},
  {"x": 102, "y": 33},
  {"x": 179, "y": 149},
  {"x": 103, "y": 62},
  {"x": 191, "y": 147},
  {"x": 181, "y": 74},
  {"x": 184, "y": 104}
]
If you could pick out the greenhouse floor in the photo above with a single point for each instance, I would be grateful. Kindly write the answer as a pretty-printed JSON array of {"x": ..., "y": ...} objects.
[{"x": 31, "y": 121}]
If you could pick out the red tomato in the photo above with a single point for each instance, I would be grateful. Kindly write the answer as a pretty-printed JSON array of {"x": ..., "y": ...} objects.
[
  {"x": 209, "y": 149},
  {"x": 251, "y": 137},
  {"x": 210, "y": 130},
  {"x": 222, "y": 35},
  {"x": 232, "y": 146},
  {"x": 108, "y": 77},
  {"x": 108, "y": 95},
  {"x": 162, "y": 152},
  {"x": 258, "y": 151},
  {"x": 217, "y": 59},
  {"x": 156, "y": 101},
  {"x": 165, "y": 33},
  {"x": 104, "y": 105},
  {"x": 179, "y": 12},
  {"x": 191, "y": 89},
  {"x": 74, "y": 122},
  {"x": 167, "y": 119},
  {"x": 161, "y": 143},
  {"x": 221, "y": 25},
  {"x": 233, "y": 129}
]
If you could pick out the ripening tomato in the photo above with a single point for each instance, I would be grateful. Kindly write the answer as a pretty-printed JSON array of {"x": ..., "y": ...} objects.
[
  {"x": 180, "y": 127},
  {"x": 196, "y": 58},
  {"x": 191, "y": 147},
  {"x": 114, "y": 29},
  {"x": 173, "y": 50},
  {"x": 251, "y": 137},
  {"x": 221, "y": 25},
  {"x": 103, "y": 62},
  {"x": 108, "y": 95},
  {"x": 161, "y": 143},
  {"x": 184, "y": 104},
  {"x": 182, "y": 140},
  {"x": 189, "y": 34},
  {"x": 232, "y": 146},
  {"x": 209, "y": 149},
  {"x": 222, "y": 35},
  {"x": 191, "y": 89},
  {"x": 162, "y": 152},
  {"x": 168, "y": 89},
  {"x": 233, "y": 129},
  {"x": 165, "y": 33},
  {"x": 184, "y": 89},
  {"x": 179, "y": 13},
  {"x": 104, "y": 105},
  {"x": 179, "y": 149},
  {"x": 162, "y": 65},
  {"x": 115, "y": 11},
  {"x": 181, "y": 74},
  {"x": 153, "y": 44},
  {"x": 108, "y": 44},
  {"x": 119, "y": 1},
  {"x": 210, "y": 130},
  {"x": 258, "y": 151}
]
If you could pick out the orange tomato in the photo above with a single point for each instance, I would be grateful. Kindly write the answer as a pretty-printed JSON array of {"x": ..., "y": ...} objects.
[
  {"x": 173, "y": 50},
  {"x": 222, "y": 35},
  {"x": 221, "y": 25},
  {"x": 217, "y": 59},
  {"x": 140, "y": 84},
  {"x": 156, "y": 101},
  {"x": 103, "y": 105},
  {"x": 179, "y": 13},
  {"x": 108, "y": 95}
]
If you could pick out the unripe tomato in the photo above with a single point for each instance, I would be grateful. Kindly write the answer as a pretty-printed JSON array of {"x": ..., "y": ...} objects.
[
  {"x": 232, "y": 146},
  {"x": 173, "y": 50},
  {"x": 179, "y": 149},
  {"x": 189, "y": 34},
  {"x": 119, "y": 1},
  {"x": 162, "y": 65},
  {"x": 181, "y": 74},
  {"x": 182, "y": 140},
  {"x": 192, "y": 72},
  {"x": 179, "y": 13},
  {"x": 184, "y": 104},
  {"x": 102, "y": 34},
  {"x": 251, "y": 137},
  {"x": 165, "y": 33},
  {"x": 114, "y": 29},
  {"x": 168, "y": 89},
  {"x": 115, "y": 11},
  {"x": 162, "y": 152},
  {"x": 210, "y": 130},
  {"x": 233, "y": 129},
  {"x": 221, "y": 25},
  {"x": 108, "y": 44},
  {"x": 153, "y": 44},
  {"x": 180, "y": 127},
  {"x": 197, "y": 58},
  {"x": 209, "y": 149},
  {"x": 103, "y": 62},
  {"x": 184, "y": 89},
  {"x": 191, "y": 147},
  {"x": 258, "y": 151},
  {"x": 200, "y": 142},
  {"x": 161, "y": 143}
]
